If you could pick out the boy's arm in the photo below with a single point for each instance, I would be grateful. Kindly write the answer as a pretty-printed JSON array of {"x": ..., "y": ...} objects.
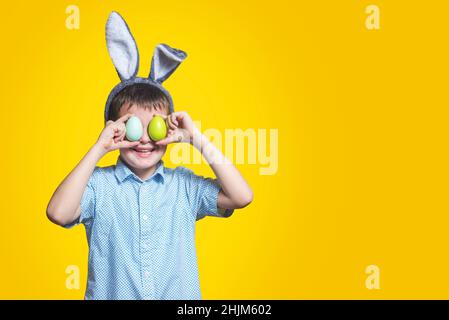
[
  {"x": 235, "y": 192},
  {"x": 64, "y": 205}
]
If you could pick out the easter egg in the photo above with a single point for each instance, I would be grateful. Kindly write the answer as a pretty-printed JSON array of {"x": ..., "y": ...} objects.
[
  {"x": 157, "y": 129},
  {"x": 134, "y": 129}
]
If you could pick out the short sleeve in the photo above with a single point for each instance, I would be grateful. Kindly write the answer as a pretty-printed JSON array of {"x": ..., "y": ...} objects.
[
  {"x": 87, "y": 204},
  {"x": 203, "y": 196}
]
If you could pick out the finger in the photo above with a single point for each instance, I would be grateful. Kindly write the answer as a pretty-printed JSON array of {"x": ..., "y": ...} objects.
[
  {"x": 121, "y": 128},
  {"x": 166, "y": 118},
  {"x": 127, "y": 144},
  {"x": 124, "y": 118},
  {"x": 109, "y": 122},
  {"x": 170, "y": 123},
  {"x": 117, "y": 132},
  {"x": 165, "y": 141},
  {"x": 119, "y": 138},
  {"x": 121, "y": 134},
  {"x": 174, "y": 118},
  {"x": 176, "y": 137}
]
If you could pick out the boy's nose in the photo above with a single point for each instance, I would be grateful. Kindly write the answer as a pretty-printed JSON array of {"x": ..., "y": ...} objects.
[{"x": 145, "y": 138}]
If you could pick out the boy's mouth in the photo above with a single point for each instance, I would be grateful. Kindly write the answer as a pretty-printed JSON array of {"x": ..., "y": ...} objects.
[{"x": 143, "y": 152}]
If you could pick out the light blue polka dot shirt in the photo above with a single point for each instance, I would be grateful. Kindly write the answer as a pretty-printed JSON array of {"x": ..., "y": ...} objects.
[{"x": 141, "y": 234}]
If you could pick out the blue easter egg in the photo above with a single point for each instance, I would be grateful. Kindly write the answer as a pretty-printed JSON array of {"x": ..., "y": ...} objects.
[{"x": 134, "y": 129}]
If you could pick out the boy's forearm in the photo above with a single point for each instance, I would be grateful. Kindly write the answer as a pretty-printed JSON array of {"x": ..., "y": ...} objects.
[
  {"x": 63, "y": 206},
  {"x": 233, "y": 185}
]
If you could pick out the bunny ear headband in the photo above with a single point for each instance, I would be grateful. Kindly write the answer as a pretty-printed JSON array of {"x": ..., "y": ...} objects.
[{"x": 124, "y": 54}]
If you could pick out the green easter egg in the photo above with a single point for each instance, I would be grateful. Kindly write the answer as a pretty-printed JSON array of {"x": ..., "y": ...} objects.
[
  {"x": 134, "y": 129},
  {"x": 157, "y": 129}
]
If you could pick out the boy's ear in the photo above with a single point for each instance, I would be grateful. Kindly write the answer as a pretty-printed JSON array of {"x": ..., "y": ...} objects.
[
  {"x": 165, "y": 61},
  {"x": 122, "y": 47}
]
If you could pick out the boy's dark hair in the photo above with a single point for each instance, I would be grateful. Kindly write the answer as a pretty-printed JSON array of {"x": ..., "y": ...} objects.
[{"x": 140, "y": 94}]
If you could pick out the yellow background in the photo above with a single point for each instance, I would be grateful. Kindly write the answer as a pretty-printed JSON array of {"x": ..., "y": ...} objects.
[{"x": 362, "y": 118}]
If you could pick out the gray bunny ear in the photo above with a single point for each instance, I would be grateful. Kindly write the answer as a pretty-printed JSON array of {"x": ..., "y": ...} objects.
[
  {"x": 122, "y": 47},
  {"x": 165, "y": 61}
]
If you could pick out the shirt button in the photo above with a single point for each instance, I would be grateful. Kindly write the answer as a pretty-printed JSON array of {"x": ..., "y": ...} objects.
[
  {"x": 146, "y": 274},
  {"x": 144, "y": 217}
]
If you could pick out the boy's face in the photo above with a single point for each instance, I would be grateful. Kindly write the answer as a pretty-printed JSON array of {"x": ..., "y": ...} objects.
[{"x": 146, "y": 154}]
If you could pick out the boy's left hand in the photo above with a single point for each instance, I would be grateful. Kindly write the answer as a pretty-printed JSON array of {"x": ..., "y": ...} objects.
[{"x": 180, "y": 128}]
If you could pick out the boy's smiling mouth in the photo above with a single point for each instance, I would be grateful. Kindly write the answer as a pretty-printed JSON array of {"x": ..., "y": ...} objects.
[{"x": 143, "y": 152}]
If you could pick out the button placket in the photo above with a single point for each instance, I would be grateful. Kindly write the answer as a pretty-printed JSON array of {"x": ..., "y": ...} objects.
[{"x": 145, "y": 234}]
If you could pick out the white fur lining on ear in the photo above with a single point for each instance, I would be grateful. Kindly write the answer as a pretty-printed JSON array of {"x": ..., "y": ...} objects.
[
  {"x": 122, "y": 47},
  {"x": 165, "y": 61}
]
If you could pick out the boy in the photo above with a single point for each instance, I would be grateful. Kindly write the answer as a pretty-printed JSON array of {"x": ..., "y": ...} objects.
[{"x": 139, "y": 215}]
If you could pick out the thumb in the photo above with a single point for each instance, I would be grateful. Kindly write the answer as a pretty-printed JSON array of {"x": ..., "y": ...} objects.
[
  {"x": 165, "y": 141},
  {"x": 127, "y": 144},
  {"x": 175, "y": 137}
]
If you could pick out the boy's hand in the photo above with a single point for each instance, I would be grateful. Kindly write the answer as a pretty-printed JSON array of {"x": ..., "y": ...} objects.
[
  {"x": 113, "y": 135},
  {"x": 180, "y": 128}
]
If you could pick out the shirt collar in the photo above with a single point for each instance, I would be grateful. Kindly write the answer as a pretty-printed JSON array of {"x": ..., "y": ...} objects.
[{"x": 122, "y": 172}]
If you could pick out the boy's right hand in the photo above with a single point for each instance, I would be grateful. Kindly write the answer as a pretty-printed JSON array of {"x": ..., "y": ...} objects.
[{"x": 113, "y": 135}]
